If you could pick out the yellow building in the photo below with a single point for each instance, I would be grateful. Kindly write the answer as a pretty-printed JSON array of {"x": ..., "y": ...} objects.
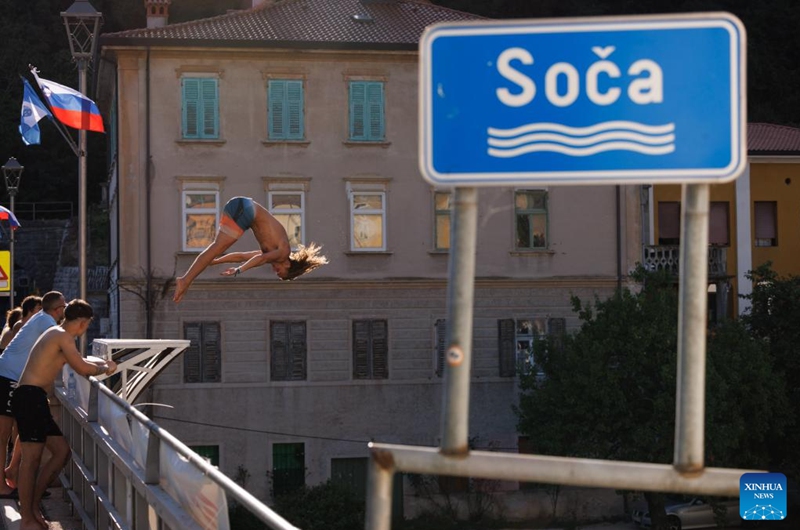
[{"x": 751, "y": 220}]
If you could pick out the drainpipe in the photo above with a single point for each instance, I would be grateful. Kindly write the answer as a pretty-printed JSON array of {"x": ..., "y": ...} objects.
[
  {"x": 619, "y": 238},
  {"x": 148, "y": 177}
]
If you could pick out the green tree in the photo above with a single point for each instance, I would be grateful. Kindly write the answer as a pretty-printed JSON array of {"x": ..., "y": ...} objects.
[
  {"x": 773, "y": 317},
  {"x": 609, "y": 391}
]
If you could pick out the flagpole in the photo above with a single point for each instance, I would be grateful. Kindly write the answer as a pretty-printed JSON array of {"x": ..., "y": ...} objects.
[
  {"x": 82, "y": 210},
  {"x": 82, "y": 23}
]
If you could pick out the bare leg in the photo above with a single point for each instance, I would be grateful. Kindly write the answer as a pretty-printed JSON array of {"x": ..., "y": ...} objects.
[
  {"x": 28, "y": 510},
  {"x": 13, "y": 467},
  {"x": 6, "y": 426},
  {"x": 221, "y": 243}
]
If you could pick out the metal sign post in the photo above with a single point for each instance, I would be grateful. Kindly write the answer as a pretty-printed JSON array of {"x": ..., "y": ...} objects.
[{"x": 623, "y": 100}]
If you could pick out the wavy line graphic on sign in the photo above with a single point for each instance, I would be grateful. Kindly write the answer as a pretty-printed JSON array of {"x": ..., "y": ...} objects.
[{"x": 582, "y": 141}]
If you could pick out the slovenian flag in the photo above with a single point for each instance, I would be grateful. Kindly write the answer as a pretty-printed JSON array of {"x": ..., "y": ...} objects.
[
  {"x": 5, "y": 213},
  {"x": 33, "y": 110},
  {"x": 70, "y": 107}
]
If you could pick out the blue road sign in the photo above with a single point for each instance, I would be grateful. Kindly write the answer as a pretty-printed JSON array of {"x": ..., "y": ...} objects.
[{"x": 621, "y": 100}]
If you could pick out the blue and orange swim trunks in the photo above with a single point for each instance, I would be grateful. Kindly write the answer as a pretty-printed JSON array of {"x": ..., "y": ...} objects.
[{"x": 237, "y": 216}]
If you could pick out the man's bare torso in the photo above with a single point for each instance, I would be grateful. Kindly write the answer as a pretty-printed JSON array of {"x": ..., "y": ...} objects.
[
  {"x": 269, "y": 233},
  {"x": 46, "y": 359}
]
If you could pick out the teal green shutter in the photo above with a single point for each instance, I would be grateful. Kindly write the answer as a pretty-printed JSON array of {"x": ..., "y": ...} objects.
[
  {"x": 191, "y": 100},
  {"x": 358, "y": 98},
  {"x": 375, "y": 111},
  {"x": 210, "y": 108},
  {"x": 285, "y": 121},
  {"x": 366, "y": 111},
  {"x": 294, "y": 110},
  {"x": 277, "y": 99},
  {"x": 200, "y": 114}
]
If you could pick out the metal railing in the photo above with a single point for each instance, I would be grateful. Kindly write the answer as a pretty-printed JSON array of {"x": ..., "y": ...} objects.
[
  {"x": 687, "y": 474},
  {"x": 667, "y": 258},
  {"x": 108, "y": 488},
  {"x": 44, "y": 210}
]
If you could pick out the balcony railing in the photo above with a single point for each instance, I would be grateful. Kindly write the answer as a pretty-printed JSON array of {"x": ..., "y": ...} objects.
[{"x": 667, "y": 257}]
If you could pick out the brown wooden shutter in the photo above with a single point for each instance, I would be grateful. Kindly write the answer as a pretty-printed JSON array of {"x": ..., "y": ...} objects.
[
  {"x": 297, "y": 350},
  {"x": 212, "y": 353},
  {"x": 191, "y": 357},
  {"x": 765, "y": 213},
  {"x": 669, "y": 220},
  {"x": 507, "y": 347},
  {"x": 279, "y": 344},
  {"x": 380, "y": 350},
  {"x": 718, "y": 233},
  {"x": 441, "y": 337},
  {"x": 361, "y": 349}
]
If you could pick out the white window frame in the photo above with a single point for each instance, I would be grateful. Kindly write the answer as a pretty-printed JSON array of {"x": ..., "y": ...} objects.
[
  {"x": 190, "y": 188},
  {"x": 302, "y": 212},
  {"x": 537, "y": 333},
  {"x": 546, "y": 219},
  {"x": 378, "y": 189}
]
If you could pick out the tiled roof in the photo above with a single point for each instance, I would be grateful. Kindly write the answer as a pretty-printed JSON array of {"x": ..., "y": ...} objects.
[
  {"x": 766, "y": 138},
  {"x": 304, "y": 23}
]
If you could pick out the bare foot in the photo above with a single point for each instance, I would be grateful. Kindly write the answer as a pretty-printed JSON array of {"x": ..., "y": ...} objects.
[
  {"x": 11, "y": 479},
  {"x": 34, "y": 524},
  {"x": 180, "y": 289}
]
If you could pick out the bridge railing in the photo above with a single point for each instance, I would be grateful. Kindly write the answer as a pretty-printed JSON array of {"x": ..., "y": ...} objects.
[{"x": 128, "y": 473}]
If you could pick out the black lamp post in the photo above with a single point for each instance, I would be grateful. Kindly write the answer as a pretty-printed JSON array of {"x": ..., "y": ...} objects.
[
  {"x": 83, "y": 26},
  {"x": 12, "y": 173}
]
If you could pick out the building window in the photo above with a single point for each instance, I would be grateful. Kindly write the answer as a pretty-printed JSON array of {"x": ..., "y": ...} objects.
[
  {"x": 669, "y": 223},
  {"x": 289, "y": 351},
  {"x": 766, "y": 223},
  {"x": 367, "y": 220},
  {"x": 530, "y": 209},
  {"x": 288, "y": 207},
  {"x": 200, "y": 108},
  {"x": 288, "y": 468},
  {"x": 200, "y": 218},
  {"x": 285, "y": 118},
  {"x": 202, "y": 361},
  {"x": 442, "y": 207},
  {"x": 370, "y": 349},
  {"x": 209, "y": 452},
  {"x": 522, "y": 340},
  {"x": 367, "y": 111},
  {"x": 718, "y": 233}
]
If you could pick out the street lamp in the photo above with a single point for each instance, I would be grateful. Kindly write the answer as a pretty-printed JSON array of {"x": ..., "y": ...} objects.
[
  {"x": 12, "y": 173},
  {"x": 83, "y": 26}
]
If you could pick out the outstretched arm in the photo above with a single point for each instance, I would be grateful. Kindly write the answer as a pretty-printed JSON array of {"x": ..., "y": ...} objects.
[
  {"x": 81, "y": 365},
  {"x": 258, "y": 259},
  {"x": 236, "y": 257}
]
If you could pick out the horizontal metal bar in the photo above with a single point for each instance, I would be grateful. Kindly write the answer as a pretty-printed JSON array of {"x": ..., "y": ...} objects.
[
  {"x": 585, "y": 472},
  {"x": 231, "y": 488}
]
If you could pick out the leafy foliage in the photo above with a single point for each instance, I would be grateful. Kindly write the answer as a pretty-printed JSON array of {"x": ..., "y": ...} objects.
[
  {"x": 327, "y": 506},
  {"x": 610, "y": 393},
  {"x": 773, "y": 317}
]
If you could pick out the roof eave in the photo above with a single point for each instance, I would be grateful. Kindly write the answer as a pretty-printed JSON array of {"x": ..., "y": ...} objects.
[
  {"x": 773, "y": 154},
  {"x": 269, "y": 44}
]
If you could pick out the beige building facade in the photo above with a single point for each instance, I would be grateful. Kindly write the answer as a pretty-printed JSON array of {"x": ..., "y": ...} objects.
[{"x": 289, "y": 381}]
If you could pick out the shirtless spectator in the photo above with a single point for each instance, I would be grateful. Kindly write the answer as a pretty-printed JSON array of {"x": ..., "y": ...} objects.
[{"x": 31, "y": 409}]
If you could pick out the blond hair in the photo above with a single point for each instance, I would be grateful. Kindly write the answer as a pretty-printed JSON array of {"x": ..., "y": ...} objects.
[{"x": 304, "y": 260}]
